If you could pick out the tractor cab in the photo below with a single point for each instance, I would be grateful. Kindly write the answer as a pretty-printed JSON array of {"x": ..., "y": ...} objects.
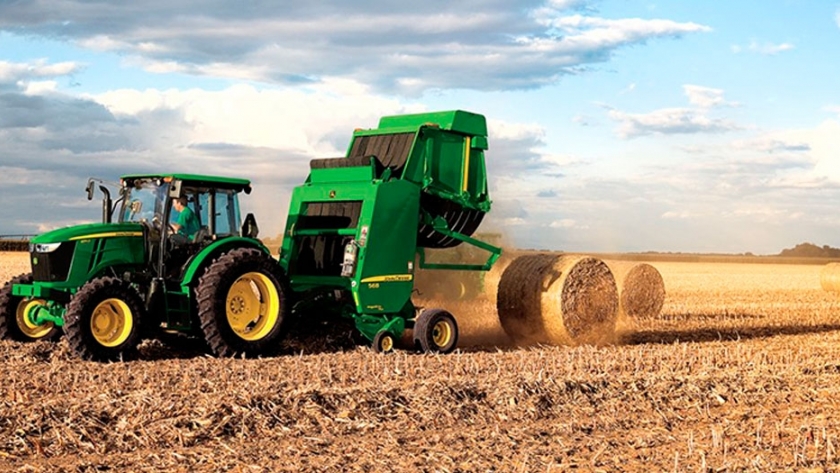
[{"x": 182, "y": 214}]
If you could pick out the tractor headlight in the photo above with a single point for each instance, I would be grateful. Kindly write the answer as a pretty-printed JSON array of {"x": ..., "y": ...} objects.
[{"x": 46, "y": 247}]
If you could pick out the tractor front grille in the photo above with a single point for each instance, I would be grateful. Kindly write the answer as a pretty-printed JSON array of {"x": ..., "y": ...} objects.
[{"x": 53, "y": 266}]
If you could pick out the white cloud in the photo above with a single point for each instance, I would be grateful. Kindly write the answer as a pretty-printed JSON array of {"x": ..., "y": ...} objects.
[
  {"x": 515, "y": 222},
  {"x": 40, "y": 87},
  {"x": 563, "y": 223},
  {"x": 300, "y": 119},
  {"x": 771, "y": 145},
  {"x": 706, "y": 97},
  {"x": 566, "y": 4},
  {"x": 824, "y": 147},
  {"x": 763, "y": 48},
  {"x": 669, "y": 121},
  {"x": 402, "y": 48},
  {"x": 22, "y": 72}
]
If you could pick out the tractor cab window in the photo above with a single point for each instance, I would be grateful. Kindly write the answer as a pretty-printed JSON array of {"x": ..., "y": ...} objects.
[
  {"x": 216, "y": 212},
  {"x": 144, "y": 201},
  {"x": 226, "y": 213},
  {"x": 224, "y": 207}
]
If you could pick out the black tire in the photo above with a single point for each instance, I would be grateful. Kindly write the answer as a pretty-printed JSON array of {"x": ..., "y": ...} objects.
[
  {"x": 104, "y": 320},
  {"x": 436, "y": 331},
  {"x": 227, "y": 310},
  {"x": 458, "y": 219},
  {"x": 384, "y": 342},
  {"x": 13, "y": 324}
]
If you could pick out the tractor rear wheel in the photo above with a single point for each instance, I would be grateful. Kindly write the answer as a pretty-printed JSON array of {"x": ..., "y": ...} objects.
[
  {"x": 243, "y": 300},
  {"x": 104, "y": 320},
  {"x": 14, "y": 322},
  {"x": 436, "y": 331}
]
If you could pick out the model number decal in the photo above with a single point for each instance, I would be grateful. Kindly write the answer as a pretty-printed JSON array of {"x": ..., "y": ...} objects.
[{"x": 389, "y": 278}]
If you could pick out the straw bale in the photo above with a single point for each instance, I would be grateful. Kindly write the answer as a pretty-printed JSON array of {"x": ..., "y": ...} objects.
[
  {"x": 641, "y": 288},
  {"x": 830, "y": 277},
  {"x": 558, "y": 299}
]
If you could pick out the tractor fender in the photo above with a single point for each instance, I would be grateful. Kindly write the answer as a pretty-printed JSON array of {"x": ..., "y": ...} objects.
[{"x": 212, "y": 251}]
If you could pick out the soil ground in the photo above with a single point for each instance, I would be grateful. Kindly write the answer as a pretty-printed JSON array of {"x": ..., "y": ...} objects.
[{"x": 741, "y": 371}]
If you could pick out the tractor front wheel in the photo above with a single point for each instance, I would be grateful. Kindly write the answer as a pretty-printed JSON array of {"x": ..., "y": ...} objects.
[
  {"x": 103, "y": 321},
  {"x": 14, "y": 320},
  {"x": 243, "y": 300},
  {"x": 435, "y": 331}
]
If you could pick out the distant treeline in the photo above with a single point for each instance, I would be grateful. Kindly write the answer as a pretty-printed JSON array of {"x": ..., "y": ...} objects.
[
  {"x": 14, "y": 245},
  {"x": 805, "y": 253},
  {"x": 809, "y": 250}
]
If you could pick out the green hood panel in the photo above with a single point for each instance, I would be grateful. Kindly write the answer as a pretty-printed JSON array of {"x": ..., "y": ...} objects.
[{"x": 90, "y": 230}]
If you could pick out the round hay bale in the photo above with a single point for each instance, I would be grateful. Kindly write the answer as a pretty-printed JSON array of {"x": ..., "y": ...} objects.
[
  {"x": 830, "y": 277},
  {"x": 641, "y": 289},
  {"x": 558, "y": 299}
]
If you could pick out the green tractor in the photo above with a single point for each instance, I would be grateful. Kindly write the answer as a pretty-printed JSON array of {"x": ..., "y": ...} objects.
[{"x": 152, "y": 272}]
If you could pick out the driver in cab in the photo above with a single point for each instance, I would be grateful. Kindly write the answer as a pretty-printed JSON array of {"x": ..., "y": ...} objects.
[{"x": 187, "y": 223}]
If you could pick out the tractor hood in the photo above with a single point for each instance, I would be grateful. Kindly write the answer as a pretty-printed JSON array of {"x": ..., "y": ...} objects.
[{"x": 89, "y": 231}]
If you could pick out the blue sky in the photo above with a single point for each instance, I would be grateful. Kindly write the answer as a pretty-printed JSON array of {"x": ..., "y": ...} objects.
[{"x": 614, "y": 125}]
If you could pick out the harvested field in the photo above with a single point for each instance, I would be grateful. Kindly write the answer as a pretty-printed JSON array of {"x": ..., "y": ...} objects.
[{"x": 740, "y": 371}]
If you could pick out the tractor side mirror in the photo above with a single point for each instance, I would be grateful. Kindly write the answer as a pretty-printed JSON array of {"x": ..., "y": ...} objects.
[
  {"x": 89, "y": 189},
  {"x": 249, "y": 227}
]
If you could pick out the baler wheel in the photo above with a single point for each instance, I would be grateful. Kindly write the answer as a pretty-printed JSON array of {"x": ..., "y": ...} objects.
[
  {"x": 14, "y": 325},
  {"x": 384, "y": 342},
  {"x": 243, "y": 300},
  {"x": 104, "y": 320},
  {"x": 436, "y": 331}
]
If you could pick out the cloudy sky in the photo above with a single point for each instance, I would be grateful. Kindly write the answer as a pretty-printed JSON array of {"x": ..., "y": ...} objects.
[{"x": 615, "y": 125}]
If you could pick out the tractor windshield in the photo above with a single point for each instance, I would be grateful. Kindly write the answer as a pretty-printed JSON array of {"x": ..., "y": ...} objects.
[{"x": 144, "y": 201}]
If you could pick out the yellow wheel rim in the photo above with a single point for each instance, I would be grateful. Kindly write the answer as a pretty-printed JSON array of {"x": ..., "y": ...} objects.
[
  {"x": 25, "y": 325},
  {"x": 111, "y": 322},
  {"x": 252, "y": 306},
  {"x": 386, "y": 343},
  {"x": 442, "y": 333}
]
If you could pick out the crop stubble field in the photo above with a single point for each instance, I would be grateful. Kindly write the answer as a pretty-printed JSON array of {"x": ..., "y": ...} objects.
[{"x": 741, "y": 371}]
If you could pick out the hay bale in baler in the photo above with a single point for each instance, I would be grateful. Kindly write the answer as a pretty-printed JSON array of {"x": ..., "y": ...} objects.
[
  {"x": 558, "y": 299},
  {"x": 641, "y": 289},
  {"x": 830, "y": 277}
]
